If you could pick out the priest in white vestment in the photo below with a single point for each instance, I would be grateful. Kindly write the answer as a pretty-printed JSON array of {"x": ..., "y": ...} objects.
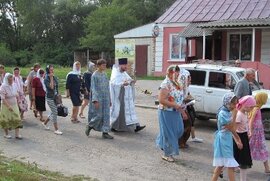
[{"x": 123, "y": 116}]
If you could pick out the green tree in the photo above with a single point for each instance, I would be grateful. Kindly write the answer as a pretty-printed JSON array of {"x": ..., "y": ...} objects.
[{"x": 103, "y": 24}]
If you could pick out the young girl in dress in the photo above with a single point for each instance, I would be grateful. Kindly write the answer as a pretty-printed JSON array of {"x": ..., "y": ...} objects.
[
  {"x": 243, "y": 157},
  {"x": 223, "y": 142},
  {"x": 256, "y": 132}
]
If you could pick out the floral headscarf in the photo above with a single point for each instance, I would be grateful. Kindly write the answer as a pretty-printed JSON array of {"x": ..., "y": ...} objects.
[{"x": 227, "y": 99}]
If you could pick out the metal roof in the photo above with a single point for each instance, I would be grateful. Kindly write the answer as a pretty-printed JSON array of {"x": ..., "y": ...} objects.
[
  {"x": 237, "y": 23},
  {"x": 213, "y": 10},
  {"x": 138, "y": 32},
  {"x": 192, "y": 30}
]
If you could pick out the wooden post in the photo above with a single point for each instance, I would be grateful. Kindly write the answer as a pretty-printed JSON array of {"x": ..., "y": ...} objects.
[{"x": 213, "y": 46}]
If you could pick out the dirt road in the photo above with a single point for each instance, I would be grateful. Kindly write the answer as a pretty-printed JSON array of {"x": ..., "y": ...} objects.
[{"x": 130, "y": 156}]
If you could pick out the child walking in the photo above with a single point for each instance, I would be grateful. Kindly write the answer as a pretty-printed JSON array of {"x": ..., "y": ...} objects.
[
  {"x": 242, "y": 156},
  {"x": 223, "y": 142},
  {"x": 256, "y": 132}
]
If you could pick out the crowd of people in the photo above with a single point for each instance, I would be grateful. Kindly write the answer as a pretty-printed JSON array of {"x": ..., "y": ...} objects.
[{"x": 238, "y": 140}]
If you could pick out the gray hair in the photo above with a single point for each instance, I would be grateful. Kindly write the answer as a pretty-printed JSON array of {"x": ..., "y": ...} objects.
[{"x": 250, "y": 71}]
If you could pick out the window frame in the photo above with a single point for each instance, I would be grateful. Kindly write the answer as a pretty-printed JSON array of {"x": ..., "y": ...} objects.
[
  {"x": 240, "y": 33},
  {"x": 181, "y": 40}
]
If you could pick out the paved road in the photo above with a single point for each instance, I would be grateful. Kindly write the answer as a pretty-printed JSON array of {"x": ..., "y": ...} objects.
[{"x": 130, "y": 156}]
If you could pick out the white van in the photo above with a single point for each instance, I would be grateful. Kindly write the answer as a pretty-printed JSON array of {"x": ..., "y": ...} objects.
[{"x": 210, "y": 82}]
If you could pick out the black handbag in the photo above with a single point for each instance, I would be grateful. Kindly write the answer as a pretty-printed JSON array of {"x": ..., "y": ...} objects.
[{"x": 62, "y": 110}]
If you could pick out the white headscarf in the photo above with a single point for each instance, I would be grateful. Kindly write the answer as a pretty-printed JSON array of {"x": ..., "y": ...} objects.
[
  {"x": 91, "y": 67},
  {"x": 41, "y": 79},
  {"x": 74, "y": 70},
  {"x": 5, "y": 83}
]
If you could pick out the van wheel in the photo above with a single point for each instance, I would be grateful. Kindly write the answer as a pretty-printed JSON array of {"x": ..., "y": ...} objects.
[
  {"x": 203, "y": 118},
  {"x": 266, "y": 124}
]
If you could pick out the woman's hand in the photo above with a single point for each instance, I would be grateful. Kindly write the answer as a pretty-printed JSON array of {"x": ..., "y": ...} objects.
[
  {"x": 239, "y": 145},
  {"x": 184, "y": 115},
  {"x": 10, "y": 109}
]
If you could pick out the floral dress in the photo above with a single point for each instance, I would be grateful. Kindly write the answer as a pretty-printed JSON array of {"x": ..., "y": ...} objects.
[{"x": 257, "y": 143}]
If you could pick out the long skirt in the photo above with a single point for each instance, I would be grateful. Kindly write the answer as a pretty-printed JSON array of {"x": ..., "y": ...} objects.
[
  {"x": 10, "y": 119},
  {"x": 170, "y": 130},
  {"x": 243, "y": 156}
]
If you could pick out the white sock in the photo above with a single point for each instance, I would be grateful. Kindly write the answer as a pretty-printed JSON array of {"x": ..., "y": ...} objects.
[{"x": 243, "y": 174}]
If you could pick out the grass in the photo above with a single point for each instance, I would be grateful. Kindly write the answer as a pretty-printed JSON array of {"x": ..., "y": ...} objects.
[
  {"x": 61, "y": 73},
  {"x": 12, "y": 170}
]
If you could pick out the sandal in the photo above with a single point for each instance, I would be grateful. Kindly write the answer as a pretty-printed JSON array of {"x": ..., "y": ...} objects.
[
  {"x": 184, "y": 146},
  {"x": 168, "y": 158},
  {"x": 267, "y": 172},
  {"x": 81, "y": 116}
]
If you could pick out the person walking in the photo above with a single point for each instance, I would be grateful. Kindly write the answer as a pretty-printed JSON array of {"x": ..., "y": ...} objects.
[
  {"x": 87, "y": 83},
  {"x": 243, "y": 87},
  {"x": 256, "y": 135},
  {"x": 9, "y": 114},
  {"x": 30, "y": 77},
  {"x": 170, "y": 115},
  {"x": 38, "y": 93},
  {"x": 74, "y": 89},
  {"x": 223, "y": 141},
  {"x": 2, "y": 75},
  {"x": 99, "y": 107},
  {"x": 18, "y": 82},
  {"x": 123, "y": 115},
  {"x": 51, "y": 85},
  {"x": 242, "y": 156}
]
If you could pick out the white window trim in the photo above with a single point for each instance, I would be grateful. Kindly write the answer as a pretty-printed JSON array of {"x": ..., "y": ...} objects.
[
  {"x": 170, "y": 50},
  {"x": 228, "y": 43}
]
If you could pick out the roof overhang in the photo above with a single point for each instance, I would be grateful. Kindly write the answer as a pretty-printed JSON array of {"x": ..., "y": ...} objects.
[
  {"x": 193, "y": 30},
  {"x": 237, "y": 23}
]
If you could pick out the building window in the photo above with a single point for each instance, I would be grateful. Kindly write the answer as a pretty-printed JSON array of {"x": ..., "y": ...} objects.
[
  {"x": 240, "y": 46},
  {"x": 177, "y": 47}
]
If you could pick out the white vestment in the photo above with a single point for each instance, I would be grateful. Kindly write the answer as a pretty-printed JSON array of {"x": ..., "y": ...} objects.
[{"x": 116, "y": 83}]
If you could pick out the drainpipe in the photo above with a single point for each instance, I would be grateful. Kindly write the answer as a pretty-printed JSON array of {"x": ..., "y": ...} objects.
[
  {"x": 253, "y": 44},
  {"x": 204, "y": 42}
]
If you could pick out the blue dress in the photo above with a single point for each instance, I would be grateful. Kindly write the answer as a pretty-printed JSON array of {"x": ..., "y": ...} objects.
[
  {"x": 99, "y": 119},
  {"x": 223, "y": 142}
]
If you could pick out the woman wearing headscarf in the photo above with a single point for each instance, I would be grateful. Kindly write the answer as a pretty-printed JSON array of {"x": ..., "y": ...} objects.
[
  {"x": 10, "y": 114},
  {"x": 38, "y": 93},
  {"x": 87, "y": 83},
  {"x": 257, "y": 143},
  {"x": 223, "y": 141},
  {"x": 74, "y": 88},
  {"x": 170, "y": 115},
  {"x": 51, "y": 85},
  {"x": 18, "y": 82}
]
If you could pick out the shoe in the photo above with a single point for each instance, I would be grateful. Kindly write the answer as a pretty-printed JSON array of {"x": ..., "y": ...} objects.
[
  {"x": 7, "y": 136},
  {"x": 113, "y": 130},
  {"x": 168, "y": 158},
  {"x": 139, "y": 128},
  {"x": 58, "y": 132},
  {"x": 198, "y": 140},
  {"x": 106, "y": 136},
  {"x": 19, "y": 137},
  {"x": 45, "y": 126},
  {"x": 87, "y": 130}
]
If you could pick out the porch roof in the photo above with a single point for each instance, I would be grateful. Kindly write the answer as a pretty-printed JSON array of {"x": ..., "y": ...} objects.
[
  {"x": 236, "y": 23},
  {"x": 193, "y": 30}
]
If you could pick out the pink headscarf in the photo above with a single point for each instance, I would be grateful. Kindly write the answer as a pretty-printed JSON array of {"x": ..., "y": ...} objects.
[{"x": 246, "y": 101}]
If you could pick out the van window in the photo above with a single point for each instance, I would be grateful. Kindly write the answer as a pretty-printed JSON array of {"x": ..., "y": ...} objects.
[
  {"x": 197, "y": 77},
  {"x": 221, "y": 80}
]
